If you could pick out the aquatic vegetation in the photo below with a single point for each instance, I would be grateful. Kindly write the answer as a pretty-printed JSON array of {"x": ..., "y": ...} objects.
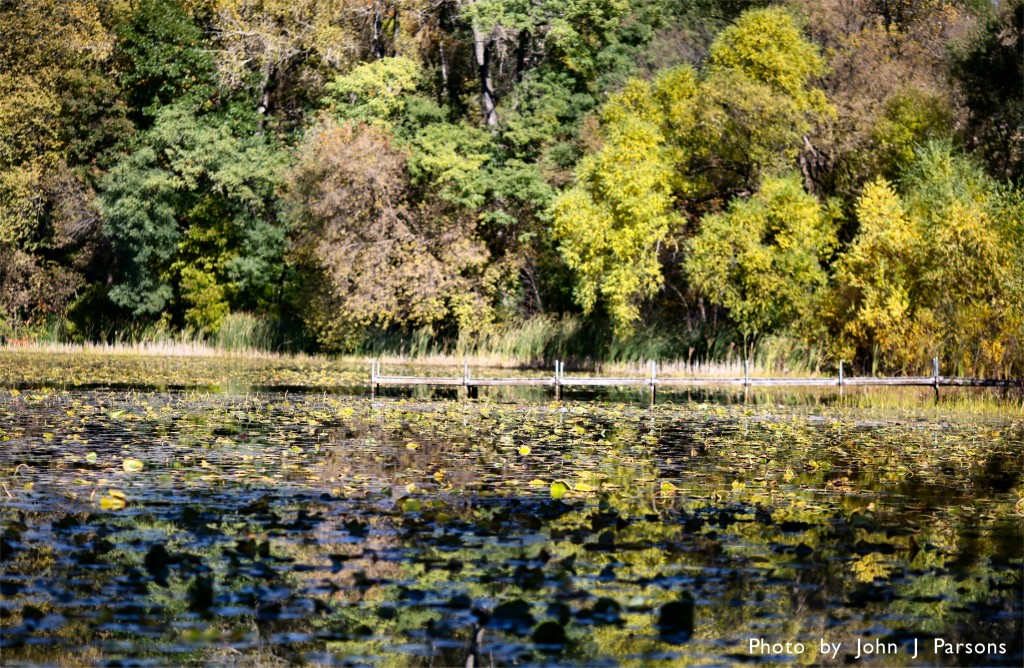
[{"x": 194, "y": 527}]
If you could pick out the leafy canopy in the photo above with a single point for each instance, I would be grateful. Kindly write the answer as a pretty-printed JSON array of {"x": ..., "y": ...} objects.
[
  {"x": 194, "y": 196},
  {"x": 934, "y": 270},
  {"x": 763, "y": 260},
  {"x": 611, "y": 224}
]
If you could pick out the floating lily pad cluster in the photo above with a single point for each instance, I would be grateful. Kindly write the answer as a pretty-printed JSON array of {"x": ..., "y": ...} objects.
[{"x": 195, "y": 528}]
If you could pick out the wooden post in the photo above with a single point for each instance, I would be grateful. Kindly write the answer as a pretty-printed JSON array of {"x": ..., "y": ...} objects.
[
  {"x": 472, "y": 391},
  {"x": 840, "y": 377},
  {"x": 465, "y": 378},
  {"x": 653, "y": 380},
  {"x": 935, "y": 376},
  {"x": 373, "y": 380},
  {"x": 746, "y": 379},
  {"x": 558, "y": 380}
]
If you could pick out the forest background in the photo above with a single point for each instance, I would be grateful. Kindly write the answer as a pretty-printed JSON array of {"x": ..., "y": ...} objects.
[{"x": 806, "y": 181}]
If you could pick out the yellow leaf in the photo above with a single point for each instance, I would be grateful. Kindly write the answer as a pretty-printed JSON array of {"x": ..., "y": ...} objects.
[
  {"x": 112, "y": 503},
  {"x": 524, "y": 450},
  {"x": 132, "y": 465}
]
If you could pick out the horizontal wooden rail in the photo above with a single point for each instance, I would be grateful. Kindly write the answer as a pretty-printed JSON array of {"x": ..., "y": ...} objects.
[
  {"x": 559, "y": 380},
  {"x": 594, "y": 381},
  {"x": 418, "y": 380},
  {"x": 909, "y": 380}
]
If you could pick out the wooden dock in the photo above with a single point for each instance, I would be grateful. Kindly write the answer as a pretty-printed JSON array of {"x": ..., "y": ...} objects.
[{"x": 558, "y": 380}]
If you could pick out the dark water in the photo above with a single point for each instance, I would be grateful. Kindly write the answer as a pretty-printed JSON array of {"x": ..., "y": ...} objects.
[{"x": 309, "y": 528}]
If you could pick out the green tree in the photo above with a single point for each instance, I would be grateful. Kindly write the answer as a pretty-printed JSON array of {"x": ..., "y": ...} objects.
[
  {"x": 375, "y": 92},
  {"x": 766, "y": 45},
  {"x": 515, "y": 45},
  {"x": 877, "y": 280},
  {"x": 161, "y": 60},
  {"x": 764, "y": 259},
  {"x": 195, "y": 195},
  {"x": 758, "y": 101},
  {"x": 684, "y": 142},
  {"x": 989, "y": 71}
]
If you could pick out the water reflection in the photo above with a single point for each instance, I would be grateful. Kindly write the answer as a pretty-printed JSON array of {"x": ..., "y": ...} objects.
[{"x": 283, "y": 528}]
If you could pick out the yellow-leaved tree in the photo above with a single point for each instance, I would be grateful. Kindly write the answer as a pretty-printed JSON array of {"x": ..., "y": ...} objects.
[
  {"x": 611, "y": 224},
  {"x": 934, "y": 270},
  {"x": 763, "y": 259},
  {"x": 682, "y": 144}
]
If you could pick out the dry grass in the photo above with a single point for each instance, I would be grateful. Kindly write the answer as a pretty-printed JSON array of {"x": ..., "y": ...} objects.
[
  {"x": 167, "y": 348},
  {"x": 485, "y": 360}
]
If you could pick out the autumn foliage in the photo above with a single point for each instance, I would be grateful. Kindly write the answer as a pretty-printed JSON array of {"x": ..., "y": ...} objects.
[{"x": 841, "y": 175}]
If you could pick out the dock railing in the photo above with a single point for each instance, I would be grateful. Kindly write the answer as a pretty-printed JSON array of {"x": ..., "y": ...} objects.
[{"x": 558, "y": 380}]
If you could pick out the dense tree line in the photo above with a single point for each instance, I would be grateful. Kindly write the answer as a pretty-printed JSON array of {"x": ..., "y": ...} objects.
[{"x": 844, "y": 175}]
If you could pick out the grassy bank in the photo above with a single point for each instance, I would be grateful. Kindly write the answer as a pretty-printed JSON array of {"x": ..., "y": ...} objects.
[
  {"x": 533, "y": 344},
  {"x": 431, "y": 358},
  {"x": 203, "y": 368},
  {"x": 536, "y": 343}
]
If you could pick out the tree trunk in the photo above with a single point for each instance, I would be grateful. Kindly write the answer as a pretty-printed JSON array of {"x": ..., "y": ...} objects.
[
  {"x": 378, "y": 27},
  {"x": 264, "y": 105},
  {"x": 482, "y": 47},
  {"x": 444, "y": 67},
  {"x": 521, "y": 48},
  {"x": 812, "y": 165},
  {"x": 394, "y": 32}
]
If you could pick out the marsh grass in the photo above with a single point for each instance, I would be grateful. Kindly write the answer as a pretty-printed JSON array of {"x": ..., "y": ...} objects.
[
  {"x": 952, "y": 402},
  {"x": 170, "y": 347},
  {"x": 481, "y": 362},
  {"x": 586, "y": 347},
  {"x": 245, "y": 332},
  {"x": 241, "y": 334},
  {"x": 589, "y": 347}
]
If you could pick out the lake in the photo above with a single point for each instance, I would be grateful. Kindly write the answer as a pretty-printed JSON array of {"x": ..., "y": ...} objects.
[{"x": 169, "y": 512}]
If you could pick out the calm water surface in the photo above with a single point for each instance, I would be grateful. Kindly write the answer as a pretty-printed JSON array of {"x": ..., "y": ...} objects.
[{"x": 278, "y": 528}]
